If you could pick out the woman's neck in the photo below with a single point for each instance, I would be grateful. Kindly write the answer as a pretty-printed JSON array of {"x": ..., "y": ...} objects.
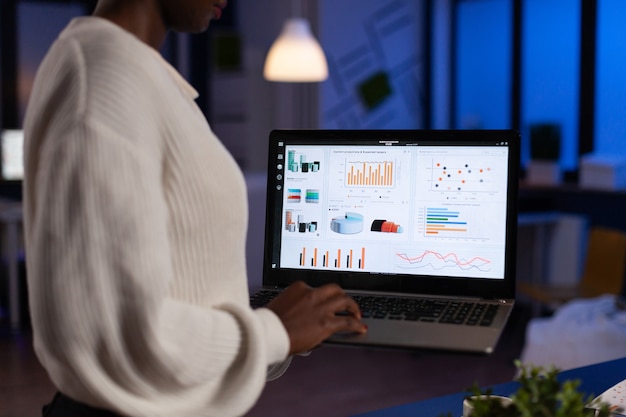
[{"x": 139, "y": 17}]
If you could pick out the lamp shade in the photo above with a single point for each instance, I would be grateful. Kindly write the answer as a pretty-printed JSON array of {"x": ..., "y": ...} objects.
[{"x": 296, "y": 56}]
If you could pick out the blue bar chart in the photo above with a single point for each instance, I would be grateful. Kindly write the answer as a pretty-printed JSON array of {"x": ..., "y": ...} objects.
[{"x": 440, "y": 221}]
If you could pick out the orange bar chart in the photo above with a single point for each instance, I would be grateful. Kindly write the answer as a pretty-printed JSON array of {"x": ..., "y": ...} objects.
[
  {"x": 347, "y": 262},
  {"x": 370, "y": 174}
]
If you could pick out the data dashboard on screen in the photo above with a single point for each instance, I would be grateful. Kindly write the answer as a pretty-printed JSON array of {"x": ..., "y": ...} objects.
[{"x": 411, "y": 209}]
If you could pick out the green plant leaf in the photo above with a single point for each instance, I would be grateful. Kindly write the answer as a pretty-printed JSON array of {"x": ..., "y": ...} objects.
[{"x": 540, "y": 394}]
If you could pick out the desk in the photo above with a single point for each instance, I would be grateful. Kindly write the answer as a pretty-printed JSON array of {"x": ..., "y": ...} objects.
[
  {"x": 595, "y": 379},
  {"x": 570, "y": 198}
]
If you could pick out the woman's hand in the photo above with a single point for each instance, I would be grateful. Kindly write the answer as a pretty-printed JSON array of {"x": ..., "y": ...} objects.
[{"x": 310, "y": 315}]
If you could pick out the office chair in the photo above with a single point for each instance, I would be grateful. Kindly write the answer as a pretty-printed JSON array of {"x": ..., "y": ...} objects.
[{"x": 604, "y": 272}]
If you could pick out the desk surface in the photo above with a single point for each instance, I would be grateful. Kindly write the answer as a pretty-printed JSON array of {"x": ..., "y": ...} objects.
[{"x": 594, "y": 380}]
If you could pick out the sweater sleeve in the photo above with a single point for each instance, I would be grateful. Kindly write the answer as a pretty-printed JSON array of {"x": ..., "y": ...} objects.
[
  {"x": 108, "y": 324},
  {"x": 99, "y": 270}
]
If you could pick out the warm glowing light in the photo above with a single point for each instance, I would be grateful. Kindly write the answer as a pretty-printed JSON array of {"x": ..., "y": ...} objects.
[{"x": 296, "y": 56}]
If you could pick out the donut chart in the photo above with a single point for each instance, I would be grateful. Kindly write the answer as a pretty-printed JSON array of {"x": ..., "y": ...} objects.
[{"x": 349, "y": 224}]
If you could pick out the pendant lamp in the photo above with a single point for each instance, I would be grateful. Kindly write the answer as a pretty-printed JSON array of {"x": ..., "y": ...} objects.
[{"x": 296, "y": 56}]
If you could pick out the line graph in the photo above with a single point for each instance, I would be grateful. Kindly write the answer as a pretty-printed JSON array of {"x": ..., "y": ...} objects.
[{"x": 439, "y": 261}]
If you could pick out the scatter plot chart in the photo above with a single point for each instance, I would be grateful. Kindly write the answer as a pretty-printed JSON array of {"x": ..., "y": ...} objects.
[{"x": 464, "y": 174}]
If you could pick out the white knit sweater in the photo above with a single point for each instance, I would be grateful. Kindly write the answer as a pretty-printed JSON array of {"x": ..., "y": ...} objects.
[{"x": 135, "y": 218}]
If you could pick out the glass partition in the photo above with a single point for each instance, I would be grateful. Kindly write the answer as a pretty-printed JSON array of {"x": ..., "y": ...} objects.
[{"x": 483, "y": 64}]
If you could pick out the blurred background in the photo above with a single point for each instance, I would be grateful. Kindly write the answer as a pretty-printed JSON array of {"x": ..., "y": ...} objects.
[{"x": 555, "y": 70}]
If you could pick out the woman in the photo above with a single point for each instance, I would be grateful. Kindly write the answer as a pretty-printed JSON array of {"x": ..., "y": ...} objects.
[{"x": 134, "y": 233}]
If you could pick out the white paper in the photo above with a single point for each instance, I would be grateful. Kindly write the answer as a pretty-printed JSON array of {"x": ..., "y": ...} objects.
[{"x": 615, "y": 397}]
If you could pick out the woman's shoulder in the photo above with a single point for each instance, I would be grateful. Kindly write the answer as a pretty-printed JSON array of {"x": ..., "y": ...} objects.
[
  {"x": 110, "y": 69},
  {"x": 102, "y": 45}
]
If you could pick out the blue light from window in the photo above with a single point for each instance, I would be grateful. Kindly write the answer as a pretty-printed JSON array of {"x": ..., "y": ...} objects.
[
  {"x": 610, "y": 123},
  {"x": 483, "y": 73},
  {"x": 550, "y": 72}
]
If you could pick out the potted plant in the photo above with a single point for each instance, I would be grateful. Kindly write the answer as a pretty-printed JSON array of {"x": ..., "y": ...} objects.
[
  {"x": 545, "y": 150},
  {"x": 540, "y": 394}
]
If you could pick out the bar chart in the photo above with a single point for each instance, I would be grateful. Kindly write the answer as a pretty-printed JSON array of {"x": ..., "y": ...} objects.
[
  {"x": 477, "y": 223},
  {"x": 370, "y": 174},
  {"x": 441, "y": 220},
  {"x": 336, "y": 258}
]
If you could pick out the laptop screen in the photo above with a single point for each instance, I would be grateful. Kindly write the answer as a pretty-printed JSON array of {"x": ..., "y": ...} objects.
[{"x": 398, "y": 210}]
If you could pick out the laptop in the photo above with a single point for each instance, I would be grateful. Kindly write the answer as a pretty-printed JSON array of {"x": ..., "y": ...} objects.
[{"x": 419, "y": 226}]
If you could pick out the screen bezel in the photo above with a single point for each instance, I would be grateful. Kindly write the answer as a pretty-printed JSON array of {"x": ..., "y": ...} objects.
[{"x": 396, "y": 283}]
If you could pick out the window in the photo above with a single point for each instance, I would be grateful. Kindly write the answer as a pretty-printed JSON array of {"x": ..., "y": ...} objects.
[
  {"x": 483, "y": 64},
  {"x": 610, "y": 125},
  {"x": 550, "y": 73}
]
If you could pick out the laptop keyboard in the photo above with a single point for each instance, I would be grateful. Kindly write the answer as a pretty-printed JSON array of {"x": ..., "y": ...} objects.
[
  {"x": 424, "y": 309},
  {"x": 411, "y": 309},
  {"x": 261, "y": 298}
]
